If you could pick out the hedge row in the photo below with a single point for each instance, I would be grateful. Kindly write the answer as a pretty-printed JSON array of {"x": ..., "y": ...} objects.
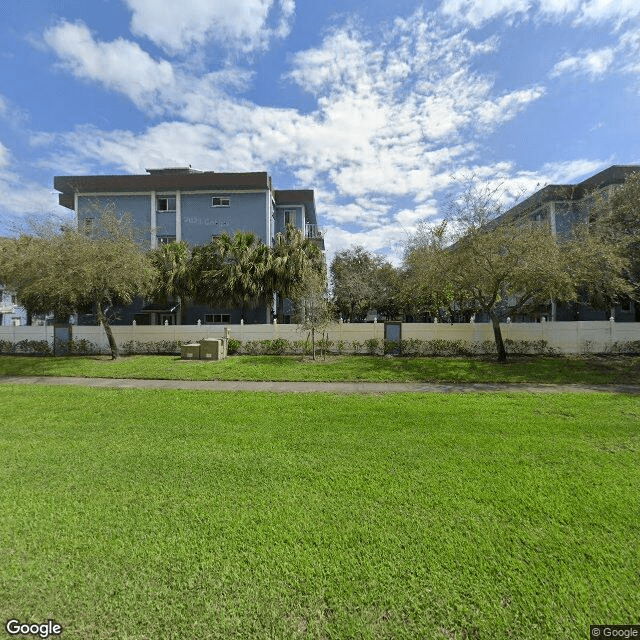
[
  {"x": 411, "y": 347},
  {"x": 374, "y": 346}
]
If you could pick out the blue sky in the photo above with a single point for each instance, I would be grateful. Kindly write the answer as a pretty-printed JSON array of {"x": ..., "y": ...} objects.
[{"x": 375, "y": 105}]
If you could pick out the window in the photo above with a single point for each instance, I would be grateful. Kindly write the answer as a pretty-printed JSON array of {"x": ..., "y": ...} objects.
[
  {"x": 220, "y": 201},
  {"x": 166, "y": 204},
  {"x": 217, "y": 318},
  {"x": 166, "y": 239},
  {"x": 289, "y": 217}
]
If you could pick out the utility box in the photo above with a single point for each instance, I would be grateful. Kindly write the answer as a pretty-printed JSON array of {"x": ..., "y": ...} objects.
[
  {"x": 190, "y": 351},
  {"x": 211, "y": 349}
]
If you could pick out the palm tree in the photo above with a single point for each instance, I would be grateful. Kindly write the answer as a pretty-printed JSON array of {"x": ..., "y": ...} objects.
[
  {"x": 231, "y": 270},
  {"x": 175, "y": 277},
  {"x": 292, "y": 257}
]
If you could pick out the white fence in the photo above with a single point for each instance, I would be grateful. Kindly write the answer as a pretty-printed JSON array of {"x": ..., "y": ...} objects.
[{"x": 563, "y": 337}]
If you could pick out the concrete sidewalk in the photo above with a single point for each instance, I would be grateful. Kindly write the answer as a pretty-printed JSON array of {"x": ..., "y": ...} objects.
[{"x": 322, "y": 387}]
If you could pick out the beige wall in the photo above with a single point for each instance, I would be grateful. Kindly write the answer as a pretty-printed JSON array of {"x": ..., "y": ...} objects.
[{"x": 565, "y": 337}]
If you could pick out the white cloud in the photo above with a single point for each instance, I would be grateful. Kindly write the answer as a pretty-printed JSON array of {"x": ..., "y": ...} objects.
[
  {"x": 512, "y": 185},
  {"x": 608, "y": 10},
  {"x": 478, "y": 12},
  {"x": 619, "y": 58},
  {"x": 5, "y": 156},
  {"x": 393, "y": 117},
  {"x": 593, "y": 64},
  {"x": 506, "y": 107},
  {"x": 20, "y": 199},
  {"x": 120, "y": 65},
  {"x": 237, "y": 24}
]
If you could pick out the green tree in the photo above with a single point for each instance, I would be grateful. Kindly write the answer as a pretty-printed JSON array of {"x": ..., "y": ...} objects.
[
  {"x": 232, "y": 271},
  {"x": 173, "y": 265},
  {"x": 609, "y": 241},
  {"x": 65, "y": 270},
  {"x": 241, "y": 270},
  {"x": 296, "y": 267},
  {"x": 362, "y": 281},
  {"x": 311, "y": 304},
  {"x": 482, "y": 260}
]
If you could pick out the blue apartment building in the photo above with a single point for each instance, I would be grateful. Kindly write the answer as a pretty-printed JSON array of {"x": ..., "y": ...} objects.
[
  {"x": 563, "y": 206},
  {"x": 181, "y": 204},
  {"x": 11, "y": 313}
]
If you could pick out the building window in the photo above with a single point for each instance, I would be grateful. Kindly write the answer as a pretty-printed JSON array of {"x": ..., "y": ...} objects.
[
  {"x": 166, "y": 204},
  {"x": 166, "y": 239},
  {"x": 289, "y": 217},
  {"x": 217, "y": 318},
  {"x": 219, "y": 201}
]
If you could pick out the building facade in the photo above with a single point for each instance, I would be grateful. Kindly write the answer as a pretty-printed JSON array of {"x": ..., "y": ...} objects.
[
  {"x": 562, "y": 207},
  {"x": 11, "y": 313},
  {"x": 181, "y": 204}
]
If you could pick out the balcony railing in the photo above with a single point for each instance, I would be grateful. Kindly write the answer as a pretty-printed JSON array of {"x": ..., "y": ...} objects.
[{"x": 312, "y": 231}]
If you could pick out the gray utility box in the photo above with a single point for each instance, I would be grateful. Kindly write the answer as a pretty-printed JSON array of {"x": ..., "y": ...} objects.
[
  {"x": 190, "y": 351},
  {"x": 211, "y": 349}
]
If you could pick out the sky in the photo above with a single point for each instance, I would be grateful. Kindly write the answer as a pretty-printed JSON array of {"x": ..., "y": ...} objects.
[{"x": 383, "y": 108}]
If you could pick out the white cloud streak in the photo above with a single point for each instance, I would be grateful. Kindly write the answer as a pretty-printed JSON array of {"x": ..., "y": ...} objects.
[
  {"x": 595, "y": 64},
  {"x": 478, "y": 12},
  {"x": 244, "y": 25}
]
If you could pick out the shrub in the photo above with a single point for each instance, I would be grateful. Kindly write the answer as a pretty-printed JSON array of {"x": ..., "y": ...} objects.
[
  {"x": 161, "y": 347},
  {"x": 252, "y": 347},
  {"x": 411, "y": 346},
  {"x": 324, "y": 344},
  {"x": 630, "y": 347},
  {"x": 280, "y": 346},
  {"x": 34, "y": 347},
  {"x": 391, "y": 346},
  {"x": 233, "y": 347},
  {"x": 6, "y": 346},
  {"x": 356, "y": 346},
  {"x": 372, "y": 346},
  {"x": 82, "y": 347}
]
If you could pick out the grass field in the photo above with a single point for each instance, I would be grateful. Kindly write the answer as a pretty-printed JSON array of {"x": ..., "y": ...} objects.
[
  {"x": 594, "y": 370},
  {"x": 140, "y": 514}
]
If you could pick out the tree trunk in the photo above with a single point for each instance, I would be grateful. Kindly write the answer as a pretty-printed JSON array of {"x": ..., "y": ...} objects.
[
  {"x": 107, "y": 329},
  {"x": 497, "y": 333},
  {"x": 313, "y": 342}
]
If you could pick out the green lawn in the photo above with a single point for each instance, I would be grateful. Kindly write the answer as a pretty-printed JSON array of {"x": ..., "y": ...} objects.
[
  {"x": 594, "y": 370},
  {"x": 134, "y": 514}
]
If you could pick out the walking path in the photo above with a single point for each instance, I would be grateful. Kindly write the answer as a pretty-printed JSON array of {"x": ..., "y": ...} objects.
[{"x": 326, "y": 387}]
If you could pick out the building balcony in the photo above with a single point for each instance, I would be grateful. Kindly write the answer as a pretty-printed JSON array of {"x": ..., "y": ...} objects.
[{"x": 313, "y": 233}]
